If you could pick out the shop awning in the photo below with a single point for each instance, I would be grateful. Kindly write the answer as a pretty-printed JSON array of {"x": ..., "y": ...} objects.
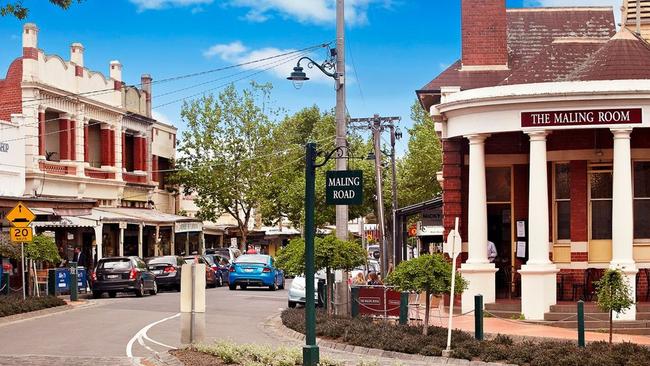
[
  {"x": 67, "y": 221},
  {"x": 148, "y": 217}
]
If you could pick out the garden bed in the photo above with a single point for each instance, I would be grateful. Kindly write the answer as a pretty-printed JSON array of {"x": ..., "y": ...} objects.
[
  {"x": 12, "y": 304},
  {"x": 366, "y": 332}
]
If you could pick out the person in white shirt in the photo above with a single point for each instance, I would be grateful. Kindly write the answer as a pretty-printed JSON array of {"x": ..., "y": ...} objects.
[{"x": 491, "y": 251}]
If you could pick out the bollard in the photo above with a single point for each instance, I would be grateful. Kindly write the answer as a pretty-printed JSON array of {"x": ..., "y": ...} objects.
[
  {"x": 478, "y": 317},
  {"x": 322, "y": 294},
  {"x": 51, "y": 282},
  {"x": 74, "y": 291},
  {"x": 355, "y": 302},
  {"x": 404, "y": 308},
  {"x": 581, "y": 324}
]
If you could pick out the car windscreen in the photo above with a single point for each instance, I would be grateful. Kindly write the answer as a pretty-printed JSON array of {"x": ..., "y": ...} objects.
[
  {"x": 210, "y": 259},
  {"x": 158, "y": 260},
  {"x": 252, "y": 259},
  {"x": 115, "y": 264}
]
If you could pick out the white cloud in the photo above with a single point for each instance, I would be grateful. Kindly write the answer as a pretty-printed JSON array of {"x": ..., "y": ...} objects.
[
  {"x": 162, "y": 4},
  {"x": 160, "y": 117},
  {"x": 308, "y": 11},
  {"x": 616, "y": 4},
  {"x": 237, "y": 53}
]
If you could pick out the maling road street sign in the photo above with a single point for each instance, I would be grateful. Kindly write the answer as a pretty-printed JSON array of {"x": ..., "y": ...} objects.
[
  {"x": 344, "y": 187},
  {"x": 20, "y": 216}
]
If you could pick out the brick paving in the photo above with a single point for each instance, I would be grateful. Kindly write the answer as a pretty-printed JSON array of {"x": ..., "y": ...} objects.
[{"x": 40, "y": 360}]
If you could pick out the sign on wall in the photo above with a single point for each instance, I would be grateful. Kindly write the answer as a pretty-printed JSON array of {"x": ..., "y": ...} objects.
[
  {"x": 344, "y": 187},
  {"x": 582, "y": 117}
]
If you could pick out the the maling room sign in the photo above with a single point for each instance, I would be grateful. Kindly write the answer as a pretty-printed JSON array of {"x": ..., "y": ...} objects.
[{"x": 582, "y": 117}]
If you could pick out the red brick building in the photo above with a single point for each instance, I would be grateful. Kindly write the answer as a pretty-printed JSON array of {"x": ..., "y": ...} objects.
[{"x": 544, "y": 123}]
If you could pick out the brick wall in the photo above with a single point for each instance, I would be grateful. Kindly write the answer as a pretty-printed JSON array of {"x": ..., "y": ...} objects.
[
  {"x": 484, "y": 35},
  {"x": 452, "y": 175},
  {"x": 578, "y": 179},
  {"x": 10, "y": 91}
]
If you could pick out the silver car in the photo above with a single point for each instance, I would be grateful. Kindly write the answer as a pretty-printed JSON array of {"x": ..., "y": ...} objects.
[{"x": 297, "y": 291}]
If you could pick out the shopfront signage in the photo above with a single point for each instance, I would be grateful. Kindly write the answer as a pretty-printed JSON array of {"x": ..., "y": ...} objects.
[
  {"x": 4, "y": 147},
  {"x": 190, "y": 226},
  {"x": 344, "y": 187},
  {"x": 581, "y": 117}
]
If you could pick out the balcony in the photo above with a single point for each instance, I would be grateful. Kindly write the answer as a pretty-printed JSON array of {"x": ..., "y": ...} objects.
[
  {"x": 134, "y": 178},
  {"x": 57, "y": 168},
  {"x": 99, "y": 174}
]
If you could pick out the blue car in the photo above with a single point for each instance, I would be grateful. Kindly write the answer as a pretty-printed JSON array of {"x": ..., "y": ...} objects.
[{"x": 256, "y": 270}]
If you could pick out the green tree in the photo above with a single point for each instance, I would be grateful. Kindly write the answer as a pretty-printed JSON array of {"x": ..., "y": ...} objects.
[
  {"x": 417, "y": 169},
  {"x": 42, "y": 249},
  {"x": 430, "y": 273},
  {"x": 16, "y": 8},
  {"x": 614, "y": 295},
  {"x": 285, "y": 196},
  {"x": 224, "y": 155}
]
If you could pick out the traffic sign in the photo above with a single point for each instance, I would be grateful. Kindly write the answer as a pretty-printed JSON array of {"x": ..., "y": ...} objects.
[
  {"x": 21, "y": 234},
  {"x": 20, "y": 216}
]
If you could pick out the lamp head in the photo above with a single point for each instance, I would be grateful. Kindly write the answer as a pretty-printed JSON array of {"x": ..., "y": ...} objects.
[
  {"x": 398, "y": 133},
  {"x": 298, "y": 77},
  {"x": 371, "y": 156}
]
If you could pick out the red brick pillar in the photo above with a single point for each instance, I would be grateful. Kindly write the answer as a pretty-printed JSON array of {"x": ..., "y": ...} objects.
[
  {"x": 154, "y": 168},
  {"x": 105, "y": 142},
  {"x": 579, "y": 211},
  {"x": 64, "y": 138},
  {"x": 144, "y": 151},
  {"x": 123, "y": 148},
  {"x": 112, "y": 147},
  {"x": 86, "y": 152},
  {"x": 72, "y": 132},
  {"x": 41, "y": 131},
  {"x": 452, "y": 162}
]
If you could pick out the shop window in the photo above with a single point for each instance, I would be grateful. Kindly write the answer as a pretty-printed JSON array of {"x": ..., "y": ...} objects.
[
  {"x": 600, "y": 182},
  {"x": 562, "y": 196},
  {"x": 498, "y": 184},
  {"x": 642, "y": 200}
]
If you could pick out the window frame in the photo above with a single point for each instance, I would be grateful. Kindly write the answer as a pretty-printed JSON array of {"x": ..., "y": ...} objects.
[
  {"x": 590, "y": 171},
  {"x": 555, "y": 201},
  {"x": 634, "y": 198}
]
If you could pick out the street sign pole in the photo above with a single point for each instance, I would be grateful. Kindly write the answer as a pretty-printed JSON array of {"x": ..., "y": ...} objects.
[
  {"x": 453, "y": 253},
  {"x": 22, "y": 268},
  {"x": 310, "y": 353}
]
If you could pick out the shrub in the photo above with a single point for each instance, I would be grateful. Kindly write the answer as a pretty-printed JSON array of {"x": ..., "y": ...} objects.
[{"x": 11, "y": 305}]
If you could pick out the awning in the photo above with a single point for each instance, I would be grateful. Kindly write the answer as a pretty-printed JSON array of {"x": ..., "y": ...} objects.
[
  {"x": 147, "y": 217},
  {"x": 67, "y": 221}
]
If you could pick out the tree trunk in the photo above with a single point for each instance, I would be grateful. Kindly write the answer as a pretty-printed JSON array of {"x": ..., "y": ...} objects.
[
  {"x": 244, "y": 238},
  {"x": 611, "y": 326},
  {"x": 427, "y": 303}
]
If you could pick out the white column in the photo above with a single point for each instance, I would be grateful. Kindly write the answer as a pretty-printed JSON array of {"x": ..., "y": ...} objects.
[
  {"x": 140, "y": 249},
  {"x": 622, "y": 215},
  {"x": 478, "y": 271},
  {"x": 98, "y": 240},
  {"x": 538, "y": 275},
  {"x": 121, "y": 243}
]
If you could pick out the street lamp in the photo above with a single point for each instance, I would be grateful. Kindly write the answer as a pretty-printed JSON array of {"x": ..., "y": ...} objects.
[{"x": 298, "y": 76}]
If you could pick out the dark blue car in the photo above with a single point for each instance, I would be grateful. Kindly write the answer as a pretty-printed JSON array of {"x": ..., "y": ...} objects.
[{"x": 257, "y": 270}]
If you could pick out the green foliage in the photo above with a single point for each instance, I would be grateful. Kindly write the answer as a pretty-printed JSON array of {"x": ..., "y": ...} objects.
[
  {"x": 253, "y": 354},
  {"x": 225, "y": 152},
  {"x": 16, "y": 8},
  {"x": 7, "y": 248},
  {"x": 614, "y": 292},
  {"x": 11, "y": 305},
  {"x": 417, "y": 169},
  {"x": 329, "y": 253},
  {"x": 42, "y": 249},
  {"x": 430, "y": 273}
]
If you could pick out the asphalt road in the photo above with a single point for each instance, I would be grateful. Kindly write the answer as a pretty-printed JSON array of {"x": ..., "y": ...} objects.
[{"x": 109, "y": 325}]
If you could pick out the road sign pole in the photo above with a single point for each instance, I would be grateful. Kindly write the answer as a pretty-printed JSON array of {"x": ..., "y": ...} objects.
[
  {"x": 310, "y": 353},
  {"x": 22, "y": 268},
  {"x": 453, "y": 254}
]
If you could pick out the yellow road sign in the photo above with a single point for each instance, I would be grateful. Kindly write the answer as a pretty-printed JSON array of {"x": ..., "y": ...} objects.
[
  {"x": 20, "y": 216},
  {"x": 21, "y": 234}
]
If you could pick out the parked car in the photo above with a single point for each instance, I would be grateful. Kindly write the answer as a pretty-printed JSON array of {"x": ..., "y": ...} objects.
[
  {"x": 219, "y": 266},
  {"x": 167, "y": 270},
  {"x": 229, "y": 253},
  {"x": 297, "y": 291},
  {"x": 370, "y": 266},
  {"x": 255, "y": 270},
  {"x": 122, "y": 274},
  {"x": 210, "y": 276}
]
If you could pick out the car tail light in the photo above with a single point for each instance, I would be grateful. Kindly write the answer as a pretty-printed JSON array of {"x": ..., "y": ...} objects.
[
  {"x": 170, "y": 269},
  {"x": 266, "y": 270},
  {"x": 133, "y": 274},
  {"x": 93, "y": 276},
  {"x": 215, "y": 268},
  {"x": 232, "y": 269}
]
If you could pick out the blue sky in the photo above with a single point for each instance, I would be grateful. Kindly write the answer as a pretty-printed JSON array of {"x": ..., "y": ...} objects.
[{"x": 393, "y": 46}]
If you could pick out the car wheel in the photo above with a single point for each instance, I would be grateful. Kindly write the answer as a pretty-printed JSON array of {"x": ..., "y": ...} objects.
[
  {"x": 243, "y": 287},
  {"x": 232, "y": 287},
  {"x": 97, "y": 294},
  {"x": 112, "y": 294},
  {"x": 281, "y": 287},
  {"x": 273, "y": 287},
  {"x": 154, "y": 290},
  {"x": 292, "y": 304},
  {"x": 140, "y": 291}
]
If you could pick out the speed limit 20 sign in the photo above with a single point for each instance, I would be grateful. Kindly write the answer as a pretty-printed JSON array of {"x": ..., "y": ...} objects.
[{"x": 21, "y": 234}]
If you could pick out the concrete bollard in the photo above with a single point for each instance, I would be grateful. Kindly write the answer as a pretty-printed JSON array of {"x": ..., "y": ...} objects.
[{"x": 404, "y": 308}]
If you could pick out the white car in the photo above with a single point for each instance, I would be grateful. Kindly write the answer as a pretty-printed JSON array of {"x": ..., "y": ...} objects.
[{"x": 297, "y": 291}]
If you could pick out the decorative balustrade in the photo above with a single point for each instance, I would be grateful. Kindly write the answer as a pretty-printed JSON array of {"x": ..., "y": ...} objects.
[{"x": 57, "y": 168}]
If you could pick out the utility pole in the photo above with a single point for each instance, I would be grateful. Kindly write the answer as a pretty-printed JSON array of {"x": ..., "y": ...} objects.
[
  {"x": 378, "y": 124},
  {"x": 396, "y": 252},
  {"x": 341, "y": 141}
]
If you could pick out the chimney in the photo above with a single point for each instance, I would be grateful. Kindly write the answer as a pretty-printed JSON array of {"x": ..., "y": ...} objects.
[
  {"x": 30, "y": 35},
  {"x": 145, "y": 81},
  {"x": 77, "y": 54},
  {"x": 115, "y": 71},
  {"x": 484, "y": 32}
]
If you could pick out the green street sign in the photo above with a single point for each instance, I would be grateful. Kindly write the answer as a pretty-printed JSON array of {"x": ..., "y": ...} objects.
[{"x": 344, "y": 187}]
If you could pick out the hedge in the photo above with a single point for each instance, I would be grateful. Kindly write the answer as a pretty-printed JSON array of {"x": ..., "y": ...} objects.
[{"x": 11, "y": 305}]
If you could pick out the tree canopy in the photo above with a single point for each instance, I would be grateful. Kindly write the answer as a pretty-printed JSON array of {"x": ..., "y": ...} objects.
[
  {"x": 614, "y": 294},
  {"x": 18, "y": 10},
  {"x": 330, "y": 253}
]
